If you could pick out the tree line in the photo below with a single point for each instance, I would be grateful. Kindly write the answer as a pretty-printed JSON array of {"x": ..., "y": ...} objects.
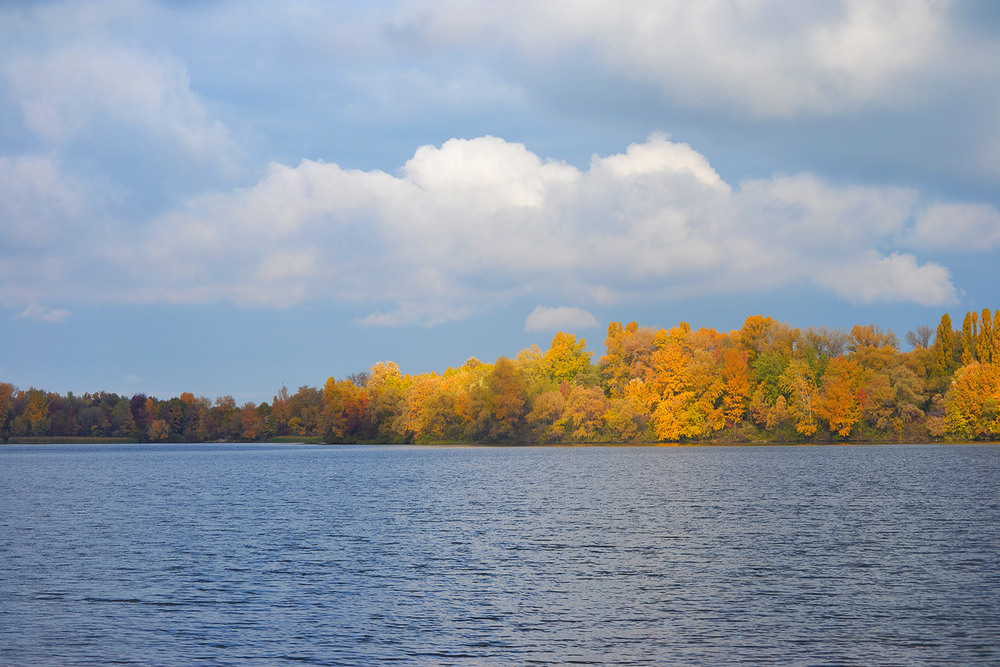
[{"x": 765, "y": 382}]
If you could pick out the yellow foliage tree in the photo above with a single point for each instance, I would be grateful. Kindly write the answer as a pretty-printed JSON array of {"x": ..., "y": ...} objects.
[
  {"x": 970, "y": 334},
  {"x": 683, "y": 387},
  {"x": 799, "y": 382},
  {"x": 984, "y": 343},
  {"x": 944, "y": 342},
  {"x": 872, "y": 348},
  {"x": 583, "y": 414},
  {"x": 626, "y": 416},
  {"x": 972, "y": 404},
  {"x": 566, "y": 358}
]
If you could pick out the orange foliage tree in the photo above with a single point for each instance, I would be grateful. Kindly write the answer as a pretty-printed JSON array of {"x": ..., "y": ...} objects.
[{"x": 838, "y": 399}]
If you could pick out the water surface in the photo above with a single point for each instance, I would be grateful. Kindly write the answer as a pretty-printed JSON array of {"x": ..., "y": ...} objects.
[{"x": 278, "y": 554}]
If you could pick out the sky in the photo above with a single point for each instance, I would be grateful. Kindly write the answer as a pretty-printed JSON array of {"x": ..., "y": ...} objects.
[{"x": 230, "y": 197}]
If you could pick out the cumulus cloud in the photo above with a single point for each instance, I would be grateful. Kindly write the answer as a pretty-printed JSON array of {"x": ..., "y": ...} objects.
[
  {"x": 473, "y": 223},
  {"x": 546, "y": 318},
  {"x": 42, "y": 313}
]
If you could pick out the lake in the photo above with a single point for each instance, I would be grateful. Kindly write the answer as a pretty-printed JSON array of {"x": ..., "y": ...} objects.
[{"x": 289, "y": 554}]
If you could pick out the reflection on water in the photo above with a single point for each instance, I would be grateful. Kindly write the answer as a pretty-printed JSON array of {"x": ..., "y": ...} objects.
[{"x": 263, "y": 554}]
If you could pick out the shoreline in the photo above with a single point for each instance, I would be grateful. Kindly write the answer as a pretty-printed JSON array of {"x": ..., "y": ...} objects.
[{"x": 310, "y": 441}]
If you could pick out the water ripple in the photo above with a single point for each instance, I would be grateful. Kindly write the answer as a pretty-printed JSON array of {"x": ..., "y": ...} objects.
[{"x": 265, "y": 555}]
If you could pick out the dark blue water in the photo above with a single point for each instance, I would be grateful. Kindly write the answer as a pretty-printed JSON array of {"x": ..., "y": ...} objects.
[{"x": 223, "y": 554}]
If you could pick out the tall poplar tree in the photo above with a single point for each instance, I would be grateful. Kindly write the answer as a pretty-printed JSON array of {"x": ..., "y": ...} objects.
[
  {"x": 970, "y": 327},
  {"x": 944, "y": 345},
  {"x": 984, "y": 343}
]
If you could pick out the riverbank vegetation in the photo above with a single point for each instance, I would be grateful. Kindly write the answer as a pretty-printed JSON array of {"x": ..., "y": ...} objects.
[{"x": 765, "y": 382}]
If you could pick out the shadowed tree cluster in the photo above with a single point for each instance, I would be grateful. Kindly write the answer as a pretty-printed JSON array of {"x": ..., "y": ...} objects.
[{"x": 765, "y": 382}]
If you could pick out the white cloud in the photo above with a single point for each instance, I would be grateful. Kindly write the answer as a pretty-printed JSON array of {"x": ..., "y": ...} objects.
[
  {"x": 871, "y": 278},
  {"x": 42, "y": 313},
  {"x": 474, "y": 223},
  {"x": 958, "y": 226},
  {"x": 427, "y": 314},
  {"x": 62, "y": 92},
  {"x": 769, "y": 57},
  {"x": 545, "y": 318},
  {"x": 37, "y": 201}
]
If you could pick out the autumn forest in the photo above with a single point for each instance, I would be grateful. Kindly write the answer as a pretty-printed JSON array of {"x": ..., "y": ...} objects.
[{"x": 766, "y": 382}]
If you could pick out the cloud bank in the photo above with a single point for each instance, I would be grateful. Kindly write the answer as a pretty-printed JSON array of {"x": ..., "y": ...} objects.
[
  {"x": 772, "y": 58},
  {"x": 474, "y": 223}
]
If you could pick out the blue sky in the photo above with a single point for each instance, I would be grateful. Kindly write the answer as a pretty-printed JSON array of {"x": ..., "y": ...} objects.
[{"x": 228, "y": 197}]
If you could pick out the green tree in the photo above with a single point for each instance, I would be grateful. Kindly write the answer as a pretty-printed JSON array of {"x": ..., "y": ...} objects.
[{"x": 122, "y": 423}]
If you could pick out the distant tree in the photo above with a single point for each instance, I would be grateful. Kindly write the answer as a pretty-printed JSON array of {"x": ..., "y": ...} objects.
[
  {"x": 738, "y": 384},
  {"x": 281, "y": 411},
  {"x": 158, "y": 430},
  {"x": 799, "y": 383},
  {"x": 838, "y": 399},
  {"x": 254, "y": 427},
  {"x": 508, "y": 401},
  {"x": 626, "y": 418},
  {"x": 761, "y": 334},
  {"x": 970, "y": 334},
  {"x": 944, "y": 347},
  {"x": 919, "y": 337},
  {"x": 387, "y": 389},
  {"x": 827, "y": 342},
  {"x": 544, "y": 418},
  {"x": 984, "y": 342},
  {"x": 345, "y": 408},
  {"x": 629, "y": 349},
  {"x": 567, "y": 359},
  {"x": 995, "y": 347},
  {"x": 122, "y": 423},
  {"x": 583, "y": 414},
  {"x": 37, "y": 412},
  {"x": 872, "y": 348},
  {"x": 92, "y": 422},
  {"x": 972, "y": 404},
  {"x": 140, "y": 414},
  {"x": 6, "y": 406},
  {"x": 359, "y": 379}
]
